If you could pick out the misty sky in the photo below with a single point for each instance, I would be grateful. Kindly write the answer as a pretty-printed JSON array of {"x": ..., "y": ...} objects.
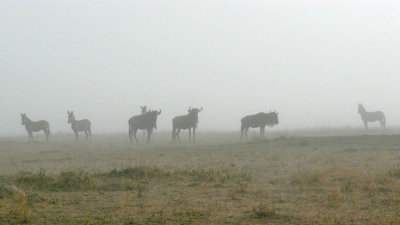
[{"x": 313, "y": 61}]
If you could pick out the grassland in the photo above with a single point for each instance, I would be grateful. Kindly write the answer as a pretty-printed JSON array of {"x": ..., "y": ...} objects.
[{"x": 283, "y": 179}]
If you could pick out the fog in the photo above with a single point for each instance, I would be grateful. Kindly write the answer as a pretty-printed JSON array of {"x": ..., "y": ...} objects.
[{"x": 312, "y": 61}]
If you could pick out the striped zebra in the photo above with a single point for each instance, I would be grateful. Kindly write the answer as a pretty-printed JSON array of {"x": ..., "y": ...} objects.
[
  {"x": 35, "y": 126},
  {"x": 188, "y": 121},
  {"x": 146, "y": 121},
  {"x": 79, "y": 125},
  {"x": 258, "y": 120},
  {"x": 371, "y": 116}
]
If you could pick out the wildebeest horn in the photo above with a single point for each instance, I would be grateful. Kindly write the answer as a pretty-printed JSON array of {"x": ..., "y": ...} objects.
[
  {"x": 190, "y": 107},
  {"x": 159, "y": 112},
  {"x": 201, "y": 108}
]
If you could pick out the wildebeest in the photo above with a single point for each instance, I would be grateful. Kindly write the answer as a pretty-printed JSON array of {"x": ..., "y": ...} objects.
[
  {"x": 258, "y": 120},
  {"x": 184, "y": 122},
  {"x": 147, "y": 121},
  {"x": 371, "y": 116},
  {"x": 35, "y": 126},
  {"x": 79, "y": 125},
  {"x": 144, "y": 110}
]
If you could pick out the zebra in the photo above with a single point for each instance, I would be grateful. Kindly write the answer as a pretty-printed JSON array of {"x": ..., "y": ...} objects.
[
  {"x": 146, "y": 121},
  {"x": 258, "y": 120},
  {"x": 35, "y": 126},
  {"x": 371, "y": 116},
  {"x": 184, "y": 122},
  {"x": 79, "y": 125}
]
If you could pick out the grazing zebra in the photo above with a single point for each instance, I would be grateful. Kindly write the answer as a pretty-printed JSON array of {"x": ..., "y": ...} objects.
[
  {"x": 35, "y": 126},
  {"x": 146, "y": 121},
  {"x": 258, "y": 120},
  {"x": 79, "y": 125},
  {"x": 184, "y": 122},
  {"x": 371, "y": 116}
]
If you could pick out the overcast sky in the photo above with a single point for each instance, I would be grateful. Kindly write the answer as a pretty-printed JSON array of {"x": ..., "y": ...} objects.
[{"x": 313, "y": 61}]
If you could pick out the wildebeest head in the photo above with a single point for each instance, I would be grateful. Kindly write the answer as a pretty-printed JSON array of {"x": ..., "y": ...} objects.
[
  {"x": 273, "y": 118},
  {"x": 144, "y": 109},
  {"x": 194, "y": 110},
  {"x": 361, "y": 108},
  {"x": 154, "y": 114},
  {"x": 71, "y": 116},
  {"x": 194, "y": 113},
  {"x": 24, "y": 118}
]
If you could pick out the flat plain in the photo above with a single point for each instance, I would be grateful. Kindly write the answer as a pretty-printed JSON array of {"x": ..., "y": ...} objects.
[{"x": 282, "y": 179}]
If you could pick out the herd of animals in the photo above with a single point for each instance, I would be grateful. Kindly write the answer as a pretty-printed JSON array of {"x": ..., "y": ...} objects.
[{"x": 147, "y": 121}]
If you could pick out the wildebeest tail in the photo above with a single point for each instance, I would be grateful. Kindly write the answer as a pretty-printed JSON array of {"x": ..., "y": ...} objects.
[
  {"x": 173, "y": 131},
  {"x": 130, "y": 131},
  {"x": 384, "y": 119}
]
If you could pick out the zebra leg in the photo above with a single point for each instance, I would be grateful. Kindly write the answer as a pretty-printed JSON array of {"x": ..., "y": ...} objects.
[
  {"x": 247, "y": 129},
  {"x": 30, "y": 136},
  {"x": 190, "y": 133},
  {"x": 90, "y": 133},
  {"x": 87, "y": 135},
  {"x": 366, "y": 125},
  {"x": 241, "y": 132},
  {"x": 76, "y": 135}
]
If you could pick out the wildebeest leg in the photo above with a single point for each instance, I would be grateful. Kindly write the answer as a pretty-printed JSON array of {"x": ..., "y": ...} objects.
[
  {"x": 245, "y": 132},
  {"x": 87, "y": 135},
  {"x": 130, "y": 131},
  {"x": 190, "y": 133},
  {"x": 47, "y": 135},
  {"x": 177, "y": 134},
  {"x": 90, "y": 133},
  {"x": 382, "y": 122},
  {"x": 149, "y": 131},
  {"x": 241, "y": 132},
  {"x": 173, "y": 134},
  {"x": 194, "y": 134},
  {"x": 134, "y": 135}
]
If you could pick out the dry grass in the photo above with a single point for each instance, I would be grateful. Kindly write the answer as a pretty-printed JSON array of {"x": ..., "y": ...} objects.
[{"x": 285, "y": 180}]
